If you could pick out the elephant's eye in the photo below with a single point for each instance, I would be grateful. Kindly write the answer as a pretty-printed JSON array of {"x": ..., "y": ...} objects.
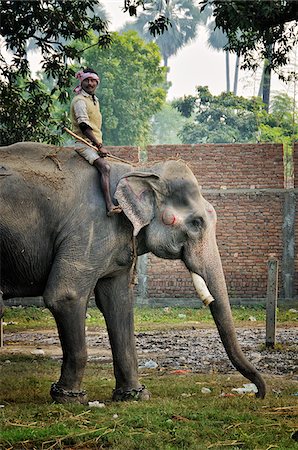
[{"x": 197, "y": 223}]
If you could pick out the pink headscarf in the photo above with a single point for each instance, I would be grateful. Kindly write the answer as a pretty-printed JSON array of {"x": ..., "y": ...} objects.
[{"x": 82, "y": 76}]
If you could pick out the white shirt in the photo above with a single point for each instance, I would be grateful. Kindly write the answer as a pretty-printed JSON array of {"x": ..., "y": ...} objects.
[{"x": 80, "y": 108}]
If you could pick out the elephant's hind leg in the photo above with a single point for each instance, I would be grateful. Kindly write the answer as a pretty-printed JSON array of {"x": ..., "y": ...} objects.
[
  {"x": 68, "y": 307},
  {"x": 115, "y": 301}
]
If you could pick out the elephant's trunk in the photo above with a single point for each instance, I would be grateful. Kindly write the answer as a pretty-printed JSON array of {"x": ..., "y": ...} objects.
[
  {"x": 218, "y": 301},
  {"x": 223, "y": 319}
]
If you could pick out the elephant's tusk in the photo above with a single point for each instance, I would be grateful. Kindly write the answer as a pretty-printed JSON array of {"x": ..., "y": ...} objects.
[{"x": 201, "y": 288}]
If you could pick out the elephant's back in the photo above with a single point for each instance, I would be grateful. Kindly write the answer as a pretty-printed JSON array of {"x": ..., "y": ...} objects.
[
  {"x": 42, "y": 164},
  {"x": 52, "y": 166},
  {"x": 37, "y": 155}
]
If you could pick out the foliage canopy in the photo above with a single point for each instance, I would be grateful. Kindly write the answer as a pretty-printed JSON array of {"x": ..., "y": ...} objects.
[
  {"x": 281, "y": 124},
  {"x": 254, "y": 27},
  {"x": 49, "y": 26},
  {"x": 183, "y": 16},
  {"x": 227, "y": 118},
  {"x": 219, "y": 119},
  {"x": 268, "y": 27},
  {"x": 166, "y": 124},
  {"x": 131, "y": 88}
]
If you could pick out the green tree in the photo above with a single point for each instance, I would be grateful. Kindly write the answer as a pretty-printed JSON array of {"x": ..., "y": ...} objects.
[
  {"x": 266, "y": 26},
  {"x": 166, "y": 124},
  {"x": 131, "y": 89},
  {"x": 217, "y": 40},
  {"x": 219, "y": 119},
  {"x": 97, "y": 10},
  {"x": 258, "y": 29},
  {"x": 49, "y": 26},
  {"x": 183, "y": 17},
  {"x": 281, "y": 124},
  {"x": 28, "y": 113}
]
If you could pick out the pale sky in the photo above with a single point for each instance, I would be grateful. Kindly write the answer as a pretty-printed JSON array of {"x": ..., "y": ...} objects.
[
  {"x": 198, "y": 65},
  {"x": 194, "y": 65}
]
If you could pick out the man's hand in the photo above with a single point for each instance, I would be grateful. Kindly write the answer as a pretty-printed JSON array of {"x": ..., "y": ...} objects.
[{"x": 101, "y": 151}]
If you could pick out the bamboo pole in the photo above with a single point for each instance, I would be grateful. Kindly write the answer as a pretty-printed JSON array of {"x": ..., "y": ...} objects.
[{"x": 79, "y": 138}]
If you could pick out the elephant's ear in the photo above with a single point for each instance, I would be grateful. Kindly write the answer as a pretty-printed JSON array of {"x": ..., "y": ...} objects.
[{"x": 136, "y": 196}]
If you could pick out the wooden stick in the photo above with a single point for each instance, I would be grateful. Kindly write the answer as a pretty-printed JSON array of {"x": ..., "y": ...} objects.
[
  {"x": 1, "y": 332},
  {"x": 79, "y": 138},
  {"x": 271, "y": 302}
]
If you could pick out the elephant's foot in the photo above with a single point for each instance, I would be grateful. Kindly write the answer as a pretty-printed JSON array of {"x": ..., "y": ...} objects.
[
  {"x": 140, "y": 394},
  {"x": 61, "y": 395},
  {"x": 124, "y": 395}
]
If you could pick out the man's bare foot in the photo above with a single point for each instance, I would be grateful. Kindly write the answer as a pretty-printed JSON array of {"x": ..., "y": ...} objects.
[{"x": 114, "y": 210}]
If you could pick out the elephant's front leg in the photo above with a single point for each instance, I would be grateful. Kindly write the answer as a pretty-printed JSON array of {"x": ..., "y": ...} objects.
[
  {"x": 69, "y": 311},
  {"x": 114, "y": 299}
]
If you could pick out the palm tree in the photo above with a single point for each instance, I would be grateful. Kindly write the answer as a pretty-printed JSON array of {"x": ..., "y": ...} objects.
[
  {"x": 217, "y": 39},
  {"x": 236, "y": 74},
  {"x": 184, "y": 18},
  {"x": 265, "y": 85}
]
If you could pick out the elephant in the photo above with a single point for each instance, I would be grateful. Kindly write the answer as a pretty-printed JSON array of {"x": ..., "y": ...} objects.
[{"x": 57, "y": 242}]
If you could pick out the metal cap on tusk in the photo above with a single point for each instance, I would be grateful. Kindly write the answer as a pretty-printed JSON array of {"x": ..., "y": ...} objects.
[{"x": 201, "y": 288}]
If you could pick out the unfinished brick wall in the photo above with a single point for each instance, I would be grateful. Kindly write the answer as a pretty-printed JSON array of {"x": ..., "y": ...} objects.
[
  {"x": 228, "y": 165},
  {"x": 129, "y": 154},
  {"x": 295, "y": 161},
  {"x": 296, "y": 247},
  {"x": 245, "y": 185},
  {"x": 248, "y": 233}
]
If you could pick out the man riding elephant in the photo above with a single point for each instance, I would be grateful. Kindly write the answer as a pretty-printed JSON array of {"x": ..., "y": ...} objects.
[
  {"x": 86, "y": 122},
  {"x": 57, "y": 242}
]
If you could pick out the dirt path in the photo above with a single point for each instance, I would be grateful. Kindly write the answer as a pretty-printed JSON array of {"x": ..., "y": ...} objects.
[{"x": 198, "y": 349}]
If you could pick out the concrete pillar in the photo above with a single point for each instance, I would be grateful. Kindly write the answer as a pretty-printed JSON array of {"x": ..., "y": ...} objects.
[
  {"x": 142, "y": 297},
  {"x": 271, "y": 303},
  {"x": 288, "y": 257}
]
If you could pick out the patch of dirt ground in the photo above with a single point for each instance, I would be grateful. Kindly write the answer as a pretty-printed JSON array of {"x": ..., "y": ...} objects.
[{"x": 199, "y": 350}]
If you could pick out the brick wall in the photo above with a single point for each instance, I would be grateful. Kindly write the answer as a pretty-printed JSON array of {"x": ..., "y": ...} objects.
[
  {"x": 245, "y": 185},
  {"x": 128, "y": 154},
  {"x": 295, "y": 160},
  {"x": 296, "y": 248},
  {"x": 228, "y": 165},
  {"x": 249, "y": 231}
]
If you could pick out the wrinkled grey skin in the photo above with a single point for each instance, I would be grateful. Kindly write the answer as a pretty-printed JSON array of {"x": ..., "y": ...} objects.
[{"x": 58, "y": 242}]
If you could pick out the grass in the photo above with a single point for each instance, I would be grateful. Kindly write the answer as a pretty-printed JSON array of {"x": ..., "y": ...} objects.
[
  {"x": 20, "y": 318},
  {"x": 179, "y": 415}
]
